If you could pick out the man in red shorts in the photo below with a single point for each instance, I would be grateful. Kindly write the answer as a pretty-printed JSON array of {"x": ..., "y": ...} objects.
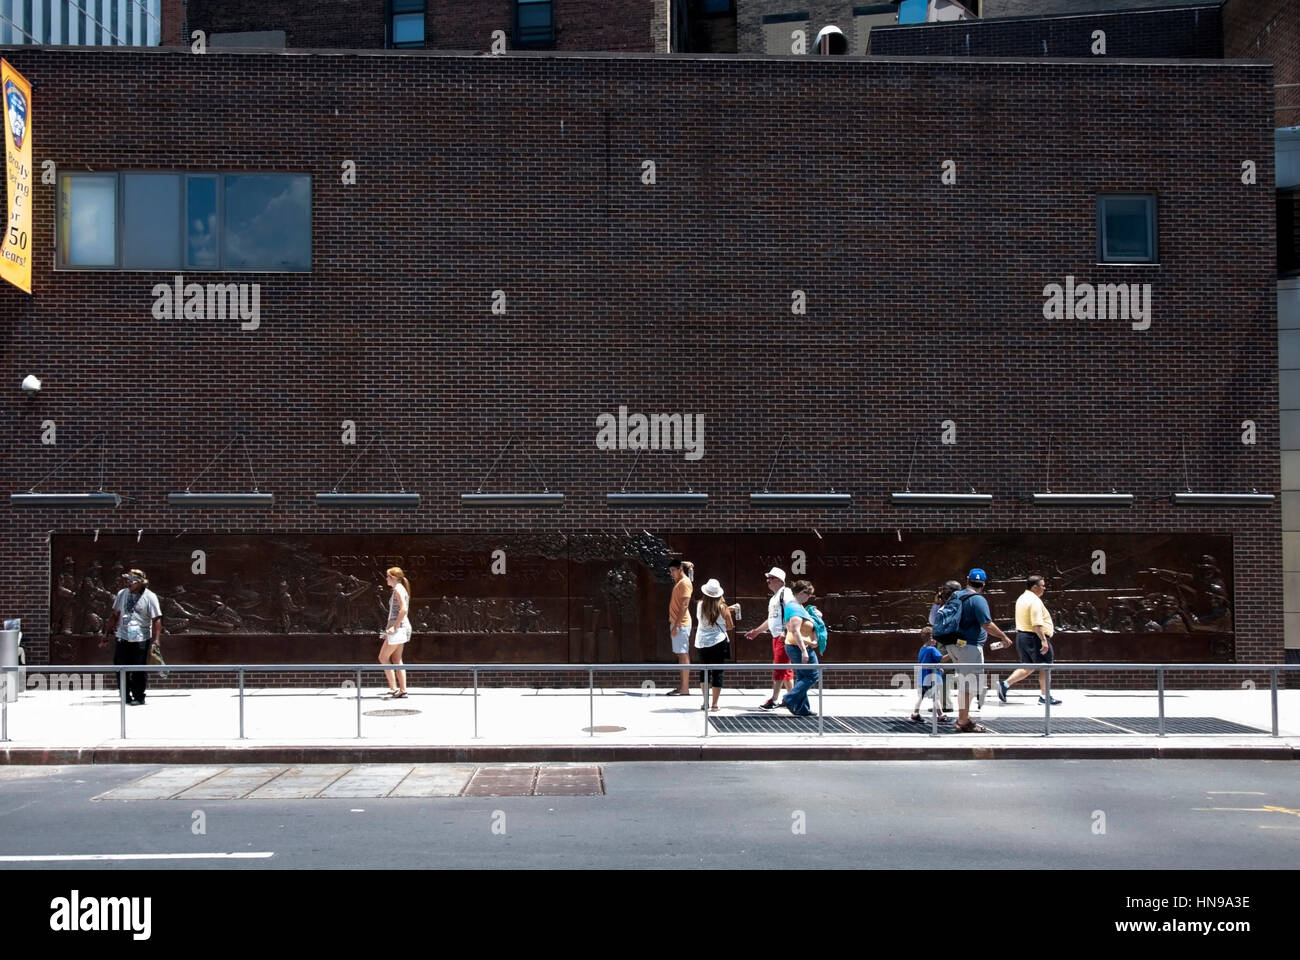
[{"x": 775, "y": 625}]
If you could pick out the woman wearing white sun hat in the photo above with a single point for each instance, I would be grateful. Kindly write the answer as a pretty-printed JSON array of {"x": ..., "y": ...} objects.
[{"x": 713, "y": 618}]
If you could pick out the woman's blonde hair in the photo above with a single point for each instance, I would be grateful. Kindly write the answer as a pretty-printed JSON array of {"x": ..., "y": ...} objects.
[
  {"x": 397, "y": 572},
  {"x": 711, "y": 609}
]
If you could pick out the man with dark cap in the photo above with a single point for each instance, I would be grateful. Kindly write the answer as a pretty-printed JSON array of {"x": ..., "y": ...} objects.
[
  {"x": 975, "y": 625},
  {"x": 136, "y": 621}
]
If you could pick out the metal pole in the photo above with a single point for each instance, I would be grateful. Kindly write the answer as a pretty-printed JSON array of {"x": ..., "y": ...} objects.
[
  {"x": 591, "y": 702},
  {"x": 820, "y": 719},
  {"x": 476, "y": 703},
  {"x": 1047, "y": 716},
  {"x": 121, "y": 699},
  {"x": 1272, "y": 689},
  {"x": 705, "y": 707},
  {"x": 4, "y": 709},
  {"x": 1160, "y": 699},
  {"x": 937, "y": 691},
  {"x": 358, "y": 703},
  {"x": 241, "y": 704}
]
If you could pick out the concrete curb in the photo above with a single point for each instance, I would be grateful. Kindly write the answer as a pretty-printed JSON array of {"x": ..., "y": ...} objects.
[{"x": 620, "y": 753}]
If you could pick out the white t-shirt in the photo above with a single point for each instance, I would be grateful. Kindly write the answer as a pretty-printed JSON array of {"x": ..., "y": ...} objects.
[
  {"x": 708, "y": 634},
  {"x": 775, "y": 622},
  {"x": 136, "y": 626}
]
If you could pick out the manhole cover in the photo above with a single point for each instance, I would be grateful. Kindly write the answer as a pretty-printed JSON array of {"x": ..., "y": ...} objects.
[
  {"x": 603, "y": 729},
  {"x": 391, "y": 713}
]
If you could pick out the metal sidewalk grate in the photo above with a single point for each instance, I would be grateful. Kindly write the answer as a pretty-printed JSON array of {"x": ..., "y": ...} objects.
[
  {"x": 776, "y": 723},
  {"x": 874, "y": 726},
  {"x": 1180, "y": 725}
]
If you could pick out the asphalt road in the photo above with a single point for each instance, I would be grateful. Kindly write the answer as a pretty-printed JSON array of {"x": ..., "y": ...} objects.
[{"x": 996, "y": 815}]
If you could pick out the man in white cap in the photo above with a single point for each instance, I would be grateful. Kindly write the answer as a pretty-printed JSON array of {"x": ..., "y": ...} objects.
[
  {"x": 136, "y": 621},
  {"x": 775, "y": 625}
]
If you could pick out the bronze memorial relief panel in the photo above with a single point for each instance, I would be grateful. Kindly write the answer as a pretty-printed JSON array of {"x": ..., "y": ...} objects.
[
  {"x": 321, "y": 598},
  {"x": 550, "y": 597},
  {"x": 1120, "y": 597}
]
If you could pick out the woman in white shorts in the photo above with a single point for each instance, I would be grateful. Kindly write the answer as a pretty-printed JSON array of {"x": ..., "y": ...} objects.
[{"x": 398, "y": 630}]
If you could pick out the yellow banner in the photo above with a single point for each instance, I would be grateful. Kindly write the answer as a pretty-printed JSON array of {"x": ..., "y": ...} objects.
[{"x": 16, "y": 245}]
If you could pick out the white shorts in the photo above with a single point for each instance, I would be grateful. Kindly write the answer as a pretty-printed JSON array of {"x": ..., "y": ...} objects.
[
  {"x": 401, "y": 634},
  {"x": 682, "y": 640}
]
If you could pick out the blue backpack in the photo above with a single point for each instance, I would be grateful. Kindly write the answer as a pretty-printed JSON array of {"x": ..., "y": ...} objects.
[
  {"x": 819, "y": 625},
  {"x": 814, "y": 617},
  {"x": 947, "y": 621}
]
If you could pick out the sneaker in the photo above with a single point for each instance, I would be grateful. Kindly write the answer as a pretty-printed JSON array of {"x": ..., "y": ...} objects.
[
  {"x": 1055, "y": 702},
  {"x": 1002, "y": 690},
  {"x": 769, "y": 704}
]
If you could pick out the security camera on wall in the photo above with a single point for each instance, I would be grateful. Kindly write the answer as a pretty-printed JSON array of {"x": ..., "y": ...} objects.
[{"x": 31, "y": 385}]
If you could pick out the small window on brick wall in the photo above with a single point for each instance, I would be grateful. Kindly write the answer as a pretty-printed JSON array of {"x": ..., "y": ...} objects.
[
  {"x": 185, "y": 221},
  {"x": 406, "y": 26},
  {"x": 1126, "y": 228},
  {"x": 534, "y": 24}
]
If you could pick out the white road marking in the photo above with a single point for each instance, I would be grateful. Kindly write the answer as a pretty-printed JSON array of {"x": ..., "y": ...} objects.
[
  {"x": 1236, "y": 793},
  {"x": 138, "y": 856}
]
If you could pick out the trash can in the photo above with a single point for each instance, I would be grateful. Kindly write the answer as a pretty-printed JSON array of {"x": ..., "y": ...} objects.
[{"x": 12, "y": 679}]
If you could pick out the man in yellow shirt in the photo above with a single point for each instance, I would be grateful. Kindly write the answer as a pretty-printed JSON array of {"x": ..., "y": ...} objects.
[{"x": 1033, "y": 637}]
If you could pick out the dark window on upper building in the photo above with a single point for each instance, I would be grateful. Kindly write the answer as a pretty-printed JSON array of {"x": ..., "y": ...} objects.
[
  {"x": 1288, "y": 232},
  {"x": 534, "y": 23},
  {"x": 1126, "y": 228},
  {"x": 714, "y": 8},
  {"x": 406, "y": 24}
]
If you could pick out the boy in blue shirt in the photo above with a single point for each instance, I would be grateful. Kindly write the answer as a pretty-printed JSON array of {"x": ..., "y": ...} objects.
[{"x": 931, "y": 679}]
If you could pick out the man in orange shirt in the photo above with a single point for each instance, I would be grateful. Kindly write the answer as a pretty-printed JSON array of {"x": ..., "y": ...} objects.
[{"x": 679, "y": 620}]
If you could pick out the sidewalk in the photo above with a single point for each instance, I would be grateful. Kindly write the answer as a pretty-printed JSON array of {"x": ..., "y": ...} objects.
[{"x": 302, "y": 725}]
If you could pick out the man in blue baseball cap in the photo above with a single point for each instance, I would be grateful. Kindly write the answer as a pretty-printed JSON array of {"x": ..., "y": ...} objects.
[{"x": 975, "y": 625}]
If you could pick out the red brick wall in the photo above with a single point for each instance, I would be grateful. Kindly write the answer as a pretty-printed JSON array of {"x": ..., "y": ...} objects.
[
  {"x": 580, "y": 25},
  {"x": 477, "y": 174},
  {"x": 307, "y": 24},
  {"x": 1268, "y": 30}
]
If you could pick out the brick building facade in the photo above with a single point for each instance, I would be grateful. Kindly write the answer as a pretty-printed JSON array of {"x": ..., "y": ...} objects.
[
  {"x": 579, "y": 25},
  {"x": 1187, "y": 32},
  {"x": 522, "y": 182}
]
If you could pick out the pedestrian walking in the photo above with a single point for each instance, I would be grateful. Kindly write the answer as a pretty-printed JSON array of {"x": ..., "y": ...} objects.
[
  {"x": 775, "y": 625},
  {"x": 963, "y": 623},
  {"x": 679, "y": 619},
  {"x": 136, "y": 622},
  {"x": 713, "y": 618},
  {"x": 800, "y": 646},
  {"x": 1033, "y": 637},
  {"x": 931, "y": 680},
  {"x": 940, "y": 598},
  {"x": 398, "y": 631}
]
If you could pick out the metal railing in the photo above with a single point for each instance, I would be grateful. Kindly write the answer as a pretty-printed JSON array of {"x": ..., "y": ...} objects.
[{"x": 973, "y": 671}]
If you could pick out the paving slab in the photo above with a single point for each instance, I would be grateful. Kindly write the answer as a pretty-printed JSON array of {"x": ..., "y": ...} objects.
[
  {"x": 512, "y": 781},
  {"x": 435, "y": 780},
  {"x": 298, "y": 783},
  {"x": 368, "y": 782},
  {"x": 569, "y": 781},
  {"x": 163, "y": 784},
  {"x": 231, "y": 784}
]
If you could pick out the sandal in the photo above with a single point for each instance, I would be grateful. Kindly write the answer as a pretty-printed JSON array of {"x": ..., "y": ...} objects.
[
  {"x": 400, "y": 696},
  {"x": 915, "y": 718},
  {"x": 970, "y": 727}
]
